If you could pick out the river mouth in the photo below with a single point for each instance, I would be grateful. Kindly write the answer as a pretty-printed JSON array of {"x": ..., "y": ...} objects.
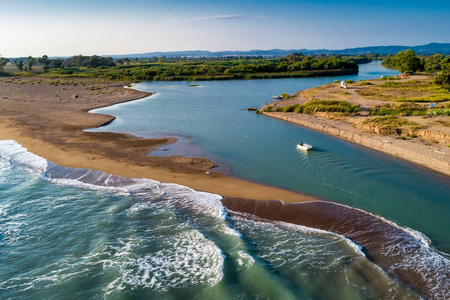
[
  {"x": 213, "y": 122},
  {"x": 142, "y": 238}
]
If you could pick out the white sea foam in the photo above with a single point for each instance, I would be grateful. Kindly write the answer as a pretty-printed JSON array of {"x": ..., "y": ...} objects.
[
  {"x": 98, "y": 180},
  {"x": 190, "y": 260},
  {"x": 416, "y": 234},
  {"x": 300, "y": 253},
  {"x": 19, "y": 156},
  {"x": 203, "y": 202},
  {"x": 311, "y": 232}
]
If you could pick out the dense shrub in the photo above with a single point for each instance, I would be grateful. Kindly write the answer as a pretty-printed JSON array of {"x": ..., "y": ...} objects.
[
  {"x": 401, "y": 109},
  {"x": 312, "y": 106}
]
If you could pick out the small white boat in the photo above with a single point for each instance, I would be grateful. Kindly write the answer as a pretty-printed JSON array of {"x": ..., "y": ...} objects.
[
  {"x": 277, "y": 98},
  {"x": 304, "y": 147}
]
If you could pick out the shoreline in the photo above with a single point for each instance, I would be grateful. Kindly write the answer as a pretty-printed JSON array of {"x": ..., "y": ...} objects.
[
  {"x": 46, "y": 119},
  {"x": 382, "y": 242}
]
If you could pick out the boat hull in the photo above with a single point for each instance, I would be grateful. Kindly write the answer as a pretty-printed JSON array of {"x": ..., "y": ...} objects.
[{"x": 304, "y": 147}]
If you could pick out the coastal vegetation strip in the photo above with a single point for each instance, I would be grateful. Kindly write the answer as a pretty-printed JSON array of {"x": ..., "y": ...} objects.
[
  {"x": 408, "y": 61},
  {"x": 409, "y": 109},
  {"x": 392, "y": 122},
  {"x": 355, "y": 106},
  {"x": 419, "y": 90}
]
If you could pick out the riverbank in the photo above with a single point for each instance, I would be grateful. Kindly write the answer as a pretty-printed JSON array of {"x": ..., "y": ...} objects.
[
  {"x": 435, "y": 157},
  {"x": 425, "y": 142},
  {"x": 48, "y": 118}
]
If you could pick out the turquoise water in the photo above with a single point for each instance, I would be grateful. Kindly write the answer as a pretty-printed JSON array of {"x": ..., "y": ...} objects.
[
  {"x": 81, "y": 234},
  {"x": 211, "y": 121}
]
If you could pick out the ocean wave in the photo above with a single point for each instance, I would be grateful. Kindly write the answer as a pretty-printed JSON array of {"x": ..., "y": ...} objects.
[
  {"x": 192, "y": 261},
  {"x": 415, "y": 253},
  {"x": 299, "y": 252},
  {"x": 188, "y": 257},
  {"x": 18, "y": 156}
]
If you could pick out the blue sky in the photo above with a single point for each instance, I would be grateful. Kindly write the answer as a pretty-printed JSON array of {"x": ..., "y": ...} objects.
[{"x": 61, "y": 27}]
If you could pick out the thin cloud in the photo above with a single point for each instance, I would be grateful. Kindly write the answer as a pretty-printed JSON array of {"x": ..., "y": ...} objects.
[
  {"x": 215, "y": 17},
  {"x": 221, "y": 17}
]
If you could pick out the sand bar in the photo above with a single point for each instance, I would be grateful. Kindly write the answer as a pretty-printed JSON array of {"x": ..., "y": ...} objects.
[{"x": 48, "y": 116}]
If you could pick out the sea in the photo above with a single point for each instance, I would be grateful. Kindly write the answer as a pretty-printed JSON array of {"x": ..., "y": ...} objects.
[{"x": 84, "y": 234}]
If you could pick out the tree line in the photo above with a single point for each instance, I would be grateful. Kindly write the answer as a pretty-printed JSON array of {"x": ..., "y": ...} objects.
[
  {"x": 407, "y": 62},
  {"x": 188, "y": 69},
  {"x": 27, "y": 63}
]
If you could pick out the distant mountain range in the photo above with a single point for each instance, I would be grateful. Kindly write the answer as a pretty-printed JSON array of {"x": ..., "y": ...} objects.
[{"x": 431, "y": 48}]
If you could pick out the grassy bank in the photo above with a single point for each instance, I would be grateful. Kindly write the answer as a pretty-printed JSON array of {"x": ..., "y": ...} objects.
[
  {"x": 402, "y": 107},
  {"x": 410, "y": 109},
  {"x": 404, "y": 91},
  {"x": 313, "y": 106},
  {"x": 393, "y": 122}
]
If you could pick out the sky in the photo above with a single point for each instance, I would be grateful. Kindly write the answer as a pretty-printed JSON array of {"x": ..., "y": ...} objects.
[{"x": 108, "y": 27}]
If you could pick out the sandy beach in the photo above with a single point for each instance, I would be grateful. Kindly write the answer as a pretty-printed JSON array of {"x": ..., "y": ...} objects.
[{"x": 48, "y": 116}]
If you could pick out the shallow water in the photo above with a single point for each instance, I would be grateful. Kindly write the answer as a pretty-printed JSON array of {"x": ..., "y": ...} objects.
[{"x": 67, "y": 234}]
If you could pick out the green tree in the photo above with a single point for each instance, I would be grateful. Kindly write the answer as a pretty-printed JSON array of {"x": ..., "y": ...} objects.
[
  {"x": 407, "y": 61},
  {"x": 433, "y": 63},
  {"x": 30, "y": 62},
  {"x": 45, "y": 61},
  {"x": 56, "y": 63},
  {"x": 19, "y": 65},
  {"x": 3, "y": 62},
  {"x": 443, "y": 79}
]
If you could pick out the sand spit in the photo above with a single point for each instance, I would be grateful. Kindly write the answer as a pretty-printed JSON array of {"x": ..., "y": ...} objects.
[{"x": 48, "y": 116}]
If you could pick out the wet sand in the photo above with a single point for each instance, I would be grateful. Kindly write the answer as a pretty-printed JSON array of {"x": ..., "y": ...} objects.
[{"x": 401, "y": 255}]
